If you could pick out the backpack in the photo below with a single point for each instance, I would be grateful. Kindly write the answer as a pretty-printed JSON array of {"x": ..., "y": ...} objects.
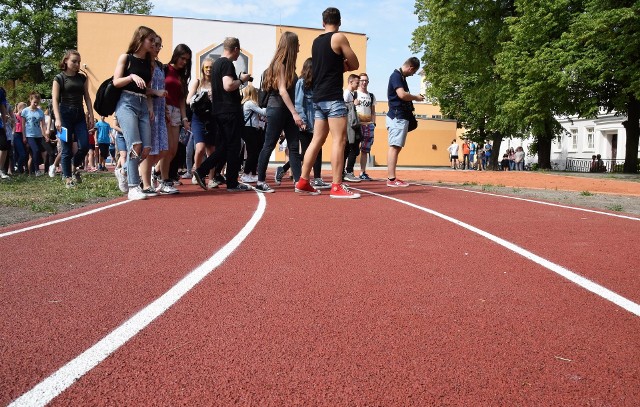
[{"x": 108, "y": 95}]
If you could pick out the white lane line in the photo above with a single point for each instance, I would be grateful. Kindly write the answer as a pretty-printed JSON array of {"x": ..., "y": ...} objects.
[
  {"x": 53, "y": 222},
  {"x": 569, "y": 275},
  {"x": 52, "y": 386},
  {"x": 615, "y": 215}
]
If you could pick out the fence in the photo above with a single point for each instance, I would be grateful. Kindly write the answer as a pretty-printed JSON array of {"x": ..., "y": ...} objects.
[{"x": 585, "y": 164}]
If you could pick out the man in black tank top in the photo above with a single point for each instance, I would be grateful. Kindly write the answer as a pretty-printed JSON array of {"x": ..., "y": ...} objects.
[{"x": 332, "y": 56}]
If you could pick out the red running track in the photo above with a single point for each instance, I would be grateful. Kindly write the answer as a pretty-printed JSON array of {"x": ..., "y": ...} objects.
[{"x": 327, "y": 302}]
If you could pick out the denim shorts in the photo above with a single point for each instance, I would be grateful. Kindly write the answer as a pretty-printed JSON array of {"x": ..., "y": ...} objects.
[
  {"x": 398, "y": 129},
  {"x": 121, "y": 143},
  {"x": 329, "y": 109}
]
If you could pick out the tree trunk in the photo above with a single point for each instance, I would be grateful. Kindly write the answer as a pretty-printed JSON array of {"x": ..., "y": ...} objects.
[
  {"x": 632, "y": 125},
  {"x": 496, "y": 140}
]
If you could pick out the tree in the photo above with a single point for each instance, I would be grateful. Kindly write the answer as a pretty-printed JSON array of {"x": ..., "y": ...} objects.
[
  {"x": 604, "y": 65},
  {"x": 459, "y": 41},
  {"x": 36, "y": 33}
]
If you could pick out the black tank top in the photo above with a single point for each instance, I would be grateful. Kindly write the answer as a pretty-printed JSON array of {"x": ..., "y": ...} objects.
[
  {"x": 140, "y": 67},
  {"x": 328, "y": 68}
]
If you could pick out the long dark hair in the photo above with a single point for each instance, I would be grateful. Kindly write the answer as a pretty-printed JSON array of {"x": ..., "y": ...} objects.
[
  {"x": 285, "y": 58},
  {"x": 307, "y": 73},
  {"x": 185, "y": 73}
]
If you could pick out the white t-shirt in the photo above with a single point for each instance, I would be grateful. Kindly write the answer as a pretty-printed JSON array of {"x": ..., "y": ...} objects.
[
  {"x": 453, "y": 149},
  {"x": 367, "y": 100}
]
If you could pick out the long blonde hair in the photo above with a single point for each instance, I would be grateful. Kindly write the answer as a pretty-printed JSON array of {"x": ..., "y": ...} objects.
[
  {"x": 285, "y": 58},
  {"x": 250, "y": 93}
]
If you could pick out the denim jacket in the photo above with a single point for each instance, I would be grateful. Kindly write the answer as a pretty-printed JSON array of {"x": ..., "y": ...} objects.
[{"x": 304, "y": 104}]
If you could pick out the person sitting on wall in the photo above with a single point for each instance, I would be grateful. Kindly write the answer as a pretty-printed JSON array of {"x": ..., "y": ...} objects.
[
  {"x": 600, "y": 164},
  {"x": 594, "y": 164}
]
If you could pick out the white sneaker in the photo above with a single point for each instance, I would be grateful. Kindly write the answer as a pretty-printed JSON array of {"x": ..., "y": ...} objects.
[
  {"x": 212, "y": 184},
  {"x": 39, "y": 173},
  {"x": 194, "y": 181},
  {"x": 3, "y": 175},
  {"x": 136, "y": 194},
  {"x": 248, "y": 178},
  {"x": 186, "y": 175},
  {"x": 167, "y": 188},
  {"x": 52, "y": 171},
  {"x": 122, "y": 179}
]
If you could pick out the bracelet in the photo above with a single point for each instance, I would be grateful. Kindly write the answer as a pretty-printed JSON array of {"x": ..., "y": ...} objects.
[{"x": 184, "y": 118}]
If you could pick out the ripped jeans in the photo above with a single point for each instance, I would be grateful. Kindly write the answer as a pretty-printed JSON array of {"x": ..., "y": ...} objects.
[{"x": 133, "y": 117}]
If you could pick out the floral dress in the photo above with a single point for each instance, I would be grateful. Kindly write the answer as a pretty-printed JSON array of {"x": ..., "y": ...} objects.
[{"x": 159, "y": 135}]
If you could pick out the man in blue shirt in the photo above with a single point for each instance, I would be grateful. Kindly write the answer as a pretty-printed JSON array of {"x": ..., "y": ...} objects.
[{"x": 400, "y": 109}]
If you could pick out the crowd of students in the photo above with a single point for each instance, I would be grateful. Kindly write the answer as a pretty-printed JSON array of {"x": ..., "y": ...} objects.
[{"x": 164, "y": 121}]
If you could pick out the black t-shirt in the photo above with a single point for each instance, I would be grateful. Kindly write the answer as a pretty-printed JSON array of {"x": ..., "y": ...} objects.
[
  {"x": 328, "y": 68},
  {"x": 71, "y": 89},
  {"x": 223, "y": 101}
]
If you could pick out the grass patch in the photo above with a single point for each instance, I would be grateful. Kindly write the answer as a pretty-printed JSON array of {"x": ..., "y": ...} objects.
[
  {"x": 487, "y": 187},
  {"x": 586, "y": 193},
  {"x": 616, "y": 208},
  {"x": 516, "y": 190},
  {"x": 49, "y": 195},
  {"x": 500, "y": 185},
  {"x": 467, "y": 183}
]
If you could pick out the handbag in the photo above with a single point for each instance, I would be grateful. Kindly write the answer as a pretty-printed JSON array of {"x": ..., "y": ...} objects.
[
  {"x": 201, "y": 104},
  {"x": 413, "y": 122}
]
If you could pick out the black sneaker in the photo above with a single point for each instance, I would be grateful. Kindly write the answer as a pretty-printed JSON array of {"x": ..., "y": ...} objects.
[
  {"x": 264, "y": 187},
  {"x": 240, "y": 188},
  {"x": 279, "y": 175},
  {"x": 149, "y": 192},
  {"x": 200, "y": 181}
]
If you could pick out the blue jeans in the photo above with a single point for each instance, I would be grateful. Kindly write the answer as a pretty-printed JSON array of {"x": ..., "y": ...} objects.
[
  {"x": 74, "y": 120},
  {"x": 133, "y": 117},
  {"x": 20, "y": 153},
  {"x": 37, "y": 147},
  {"x": 279, "y": 119}
]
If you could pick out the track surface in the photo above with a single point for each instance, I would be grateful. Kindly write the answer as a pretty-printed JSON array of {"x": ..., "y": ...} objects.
[{"x": 326, "y": 302}]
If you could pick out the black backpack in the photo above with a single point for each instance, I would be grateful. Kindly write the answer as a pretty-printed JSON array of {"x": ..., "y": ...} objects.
[
  {"x": 263, "y": 95},
  {"x": 108, "y": 95},
  {"x": 107, "y": 98}
]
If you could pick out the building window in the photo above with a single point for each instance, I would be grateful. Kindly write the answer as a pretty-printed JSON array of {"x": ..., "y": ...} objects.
[
  {"x": 590, "y": 139},
  {"x": 574, "y": 139},
  {"x": 559, "y": 142}
]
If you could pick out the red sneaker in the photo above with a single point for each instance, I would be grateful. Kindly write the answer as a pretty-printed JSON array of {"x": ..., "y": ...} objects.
[
  {"x": 304, "y": 187},
  {"x": 340, "y": 191},
  {"x": 397, "y": 183}
]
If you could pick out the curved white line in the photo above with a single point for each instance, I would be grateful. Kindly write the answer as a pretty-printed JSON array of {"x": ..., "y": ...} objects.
[
  {"x": 569, "y": 275},
  {"x": 52, "y": 386},
  {"x": 53, "y": 222}
]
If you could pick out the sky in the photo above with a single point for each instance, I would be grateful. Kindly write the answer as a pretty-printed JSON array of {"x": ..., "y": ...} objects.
[{"x": 388, "y": 24}]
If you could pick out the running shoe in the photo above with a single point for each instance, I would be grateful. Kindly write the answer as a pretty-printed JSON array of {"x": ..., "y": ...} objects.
[
  {"x": 264, "y": 187},
  {"x": 279, "y": 175},
  {"x": 240, "y": 188},
  {"x": 3, "y": 175},
  {"x": 318, "y": 183},
  {"x": 365, "y": 177},
  {"x": 220, "y": 179},
  {"x": 39, "y": 173},
  {"x": 122, "y": 179},
  {"x": 52, "y": 171},
  {"x": 199, "y": 180},
  {"x": 350, "y": 177},
  {"x": 397, "y": 183},
  {"x": 248, "y": 178},
  {"x": 149, "y": 192},
  {"x": 77, "y": 178},
  {"x": 212, "y": 184},
  {"x": 342, "y": 192},
  {"x": 304, "y": 187},
  {"x": 167, "y": 188},
  {"x": 186, "y": 175},
  {"x": 69, "y": 183},
  {"x": 136, "y": 194}
]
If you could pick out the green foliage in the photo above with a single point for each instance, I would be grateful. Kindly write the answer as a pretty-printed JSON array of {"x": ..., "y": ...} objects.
[
  {"x": 34, "y": 34},
  {"x": 586, "y": 193}
]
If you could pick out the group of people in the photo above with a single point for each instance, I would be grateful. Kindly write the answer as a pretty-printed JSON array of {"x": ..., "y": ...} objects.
[
  {"x": 478, "y": 156},
  {"x": 223, "y": 120}
]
